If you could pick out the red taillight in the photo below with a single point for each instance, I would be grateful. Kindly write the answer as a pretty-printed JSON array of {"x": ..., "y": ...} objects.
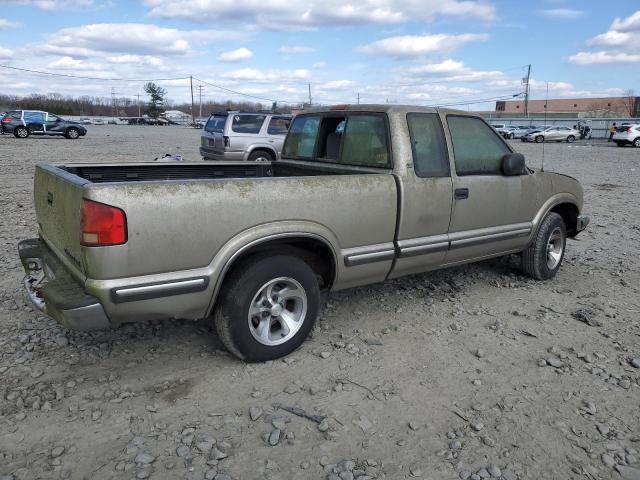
[
  {"x": 226, "y": 141},
  {"x": 6, "y": 120},
  {"x": 102, "y": 225}
]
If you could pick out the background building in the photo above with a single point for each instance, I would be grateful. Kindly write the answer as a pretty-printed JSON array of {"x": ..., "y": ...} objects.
[{"x": 628, "y": 106}]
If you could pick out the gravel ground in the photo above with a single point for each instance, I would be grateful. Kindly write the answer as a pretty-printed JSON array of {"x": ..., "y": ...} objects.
[{"x": 472, "y": 372}]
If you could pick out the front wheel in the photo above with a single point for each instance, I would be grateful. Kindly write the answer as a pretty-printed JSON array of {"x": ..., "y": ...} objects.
[
  {"x": 267, "y": 307},
  {"x": 72, "y": 133},
  {"x": 542, "y": 259},
  {"x": 571, "y": 139},
  {"x": 21, "y": 132}
]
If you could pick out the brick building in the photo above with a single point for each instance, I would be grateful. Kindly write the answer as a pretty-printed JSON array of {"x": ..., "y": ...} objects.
[{"x": 596, "y": 107}]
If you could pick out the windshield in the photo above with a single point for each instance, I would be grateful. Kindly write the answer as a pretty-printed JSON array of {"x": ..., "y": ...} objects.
[{"x": 216, "y": 123}]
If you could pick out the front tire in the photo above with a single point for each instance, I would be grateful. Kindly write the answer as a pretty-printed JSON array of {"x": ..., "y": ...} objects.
[
  {"x": 21, "y": 132},
  {"x": 72, "y": 133},
  {"x": 571, "y": 139},
  {"x": 542, "y": 259},
  {"x": 267, "y": 308}
]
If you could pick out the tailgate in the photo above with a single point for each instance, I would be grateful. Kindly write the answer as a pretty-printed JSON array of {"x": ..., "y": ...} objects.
[{"x": 58, "y": 200}]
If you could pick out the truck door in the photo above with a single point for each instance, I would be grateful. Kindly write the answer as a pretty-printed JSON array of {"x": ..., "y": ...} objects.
[
  {"x": 492, "y": 213},
  {"x": 426, "y": 195}
]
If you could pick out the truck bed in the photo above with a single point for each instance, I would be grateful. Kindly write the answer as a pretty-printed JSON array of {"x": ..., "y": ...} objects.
[{"x": 160, "y": 171}]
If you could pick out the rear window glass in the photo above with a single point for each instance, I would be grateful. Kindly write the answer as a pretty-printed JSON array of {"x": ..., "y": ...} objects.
[
  {"x": 247, "y": 123},
  {"x": 34, "y": 117},
  {"x": 301, "y": 139},
  {"x": 278, "y": 125},
  {"x": 430, "y": 158},
  {"x": 216, "y": 123},
  {"x": 365, "y": 141}
]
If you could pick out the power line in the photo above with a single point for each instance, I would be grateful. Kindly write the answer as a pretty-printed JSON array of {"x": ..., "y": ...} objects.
[
  {"x": 93, "y": 78},
  {"x": 485, "y": 100},
  {"x": 236, "y": 92}
]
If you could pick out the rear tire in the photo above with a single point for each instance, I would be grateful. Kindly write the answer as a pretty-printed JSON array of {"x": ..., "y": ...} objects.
[
  {"x": 636, "y": 142},
  {"x": 620, "y": 144},
  {"x": 72, "y": 133},
  {"x": 260, "y": 156},
  {"x": 542, "y": 259},
  {"x": 267, "y": 307},
  {"x": 539, "y": 139},
  {"x": 21, "y": 132}
]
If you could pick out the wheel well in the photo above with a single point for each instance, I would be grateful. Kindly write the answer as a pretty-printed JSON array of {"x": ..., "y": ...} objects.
[
  {"x": 315, "y": 253},
  {"x": 272, "y": 153},
  {"x": 569, "y": 213}
]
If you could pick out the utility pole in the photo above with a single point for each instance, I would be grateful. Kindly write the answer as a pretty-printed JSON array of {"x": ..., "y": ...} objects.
[
  {"x": 310, "y": 94},
  {"x": 526, "y": 91},
  {"x": 113, "y": 101},
  {"x": 358, "y": 99},
  {"x": 200, "y": 87},
  {"x": 139, "y": 112},
  {"x": 193, "y": 118}
]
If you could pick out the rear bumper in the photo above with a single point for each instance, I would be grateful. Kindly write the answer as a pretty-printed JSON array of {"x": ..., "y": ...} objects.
[
  {"x": 55, "y": 292},
  {"x": 222, "y": 155},
  {"x": 581, "y": 222}
]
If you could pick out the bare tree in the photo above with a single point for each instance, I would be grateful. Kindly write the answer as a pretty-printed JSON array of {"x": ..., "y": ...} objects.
[{"x": 630, "y": 102}]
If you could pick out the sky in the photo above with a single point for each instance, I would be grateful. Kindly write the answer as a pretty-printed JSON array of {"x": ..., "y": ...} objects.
[{"x": 427, "y": 52}]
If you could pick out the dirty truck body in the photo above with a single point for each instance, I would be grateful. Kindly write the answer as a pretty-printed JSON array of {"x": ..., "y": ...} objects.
[{"x": 361, "y": 194}]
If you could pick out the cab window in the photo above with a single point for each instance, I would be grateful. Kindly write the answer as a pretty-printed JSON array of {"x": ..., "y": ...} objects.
[
  {"x": 301, "y": 140},
  {"x": 430, "y": 158},
  {"x": 477, "y": 148}
]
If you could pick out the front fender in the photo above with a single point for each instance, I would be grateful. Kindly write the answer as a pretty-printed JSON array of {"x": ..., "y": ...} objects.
[{"x": 557, "y": 199}]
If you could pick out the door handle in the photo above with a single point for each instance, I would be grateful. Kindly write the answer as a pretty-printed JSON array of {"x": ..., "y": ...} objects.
[{"x": 461, "y": 193}]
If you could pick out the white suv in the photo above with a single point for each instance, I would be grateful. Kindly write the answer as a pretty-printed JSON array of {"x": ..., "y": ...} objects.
[{"x": 627, "y": 135}]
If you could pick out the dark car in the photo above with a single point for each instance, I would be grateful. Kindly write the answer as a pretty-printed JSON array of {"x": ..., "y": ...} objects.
[{"x": 23, "y": 123}]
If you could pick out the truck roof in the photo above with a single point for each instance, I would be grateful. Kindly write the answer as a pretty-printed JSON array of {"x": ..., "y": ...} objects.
[{"x": 383, "y": 108}]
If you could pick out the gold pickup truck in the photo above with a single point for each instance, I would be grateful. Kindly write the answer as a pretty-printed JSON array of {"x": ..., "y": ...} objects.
[{"x": 361, "y": 194}]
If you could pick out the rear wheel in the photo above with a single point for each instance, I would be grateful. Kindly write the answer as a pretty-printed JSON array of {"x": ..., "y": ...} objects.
[
  {"x": 571, "y": 139},
  {"x": 539, "y": 139},
  {"x": 620, "y": 144},
  {"x": 636, "y": 142},
  {"x": 267, "y": 307},
  {"x": 21, "y": 132},
  {"x": 72, "y": 133},
  {"x": 261, "y": 156},
  {"x": 542, "y": 259}
]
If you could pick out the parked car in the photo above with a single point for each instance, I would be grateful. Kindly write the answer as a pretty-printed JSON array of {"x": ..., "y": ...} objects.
[
  {"x": 627, "y": 134},
  {"x": 552, "y": 134},
  {"x": 519, "y": 131},
  {"x": 506, "y": 132},
  {"x": 85, "y": 121},
  {"x": 23, "y": 123},
  {"x": 244, "y": 136},
  {"x": 360, "y": 194}
]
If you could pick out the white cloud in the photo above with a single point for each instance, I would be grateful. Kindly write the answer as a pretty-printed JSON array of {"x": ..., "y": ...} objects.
[
  {"x": 128, "y": 38},
  {"x": 603, "y": 57},
  {"x": 4, "y": 23},
  {"x": 239, "y": 55},
  {"x": 337, "y": 85},
  {"x": 454, "y": 71},
  {"x": 128, "y": 59},
  {"x": 270, "y": 76},
  {"x": 295, "y": 49},
  {"x": 623, "y": 39},
  {"x": 311, "y": 14},
  {"x": 53, "y": 4},
  {"x": 319, "y": 65},
  {"x": 418, "y": 45},
  {"x": 562, "y": 13},
  {"x": 5, "y": 53}
]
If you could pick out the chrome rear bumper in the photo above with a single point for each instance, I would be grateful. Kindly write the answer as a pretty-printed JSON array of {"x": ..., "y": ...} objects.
[{"x": 53, "y": 290}]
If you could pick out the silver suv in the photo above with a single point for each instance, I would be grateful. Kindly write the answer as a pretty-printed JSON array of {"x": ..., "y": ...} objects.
[{"x": 244, "y": 136}]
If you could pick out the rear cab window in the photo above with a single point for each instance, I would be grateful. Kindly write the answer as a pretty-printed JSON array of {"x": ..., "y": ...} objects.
[
  {"x": 430, "y": 156},
  {"x": 359, "y": 139},
  {"x": 477, "y": 148},
  {"x": 216, "y": 123},
  {"x": 251, "y": 124}
]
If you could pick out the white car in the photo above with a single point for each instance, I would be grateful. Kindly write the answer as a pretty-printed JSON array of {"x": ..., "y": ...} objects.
[
  {"x": 627, "y": 135},
  {"x": 553, "y": 134}
]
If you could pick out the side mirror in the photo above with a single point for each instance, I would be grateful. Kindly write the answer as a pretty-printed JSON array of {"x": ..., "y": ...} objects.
[{"x": 513, "y": 164}]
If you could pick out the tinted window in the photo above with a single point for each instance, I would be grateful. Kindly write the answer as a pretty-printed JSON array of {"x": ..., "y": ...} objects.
[
  {"x": 301, "y": 139},
  {"x": 430, "y": 157},
  {"x": 278, "y": 125},
  {"x": 365, "y": 141},
  {"x": 477, "y": 148},
  {"x": 216, "y": 123},
  {"x": 34, "y": 117},
  {"x": 247, "y": 123}
]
